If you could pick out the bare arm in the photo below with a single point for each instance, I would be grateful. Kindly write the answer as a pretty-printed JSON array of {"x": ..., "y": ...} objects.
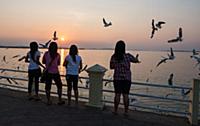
[{"x": 26, "y": 59}]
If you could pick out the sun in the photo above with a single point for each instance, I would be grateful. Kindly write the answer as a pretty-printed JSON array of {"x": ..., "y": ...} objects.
[{"x": 62, "y": 39}]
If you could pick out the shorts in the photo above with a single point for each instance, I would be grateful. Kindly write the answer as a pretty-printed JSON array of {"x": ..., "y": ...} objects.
[
  {"x": 56, "y": 78},
  {"x": 122, "y": 86},
  {"x": 72, "y": 80}
]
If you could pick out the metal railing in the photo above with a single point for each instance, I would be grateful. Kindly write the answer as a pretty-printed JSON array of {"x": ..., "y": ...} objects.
[{"x": 153, "y": 108}]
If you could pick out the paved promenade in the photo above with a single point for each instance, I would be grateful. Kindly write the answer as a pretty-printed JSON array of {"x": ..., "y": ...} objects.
[{"x": 16, "y": 110}]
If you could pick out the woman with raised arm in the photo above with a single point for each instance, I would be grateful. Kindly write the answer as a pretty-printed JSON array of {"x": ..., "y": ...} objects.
[{"x": 121, "y": 61}]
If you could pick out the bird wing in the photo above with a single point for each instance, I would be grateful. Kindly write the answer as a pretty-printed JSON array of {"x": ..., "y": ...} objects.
[
  {"x": 161, "y": 22},
  {"x": 173, "y": 40},
  {"x": 172, "y": 53},
  {"x": 47, "y": 43},
  {"x": 180, "y": 33},
  {"x": 104, "y": 21},
  {"x": 161, "y": 61},
  {"x": 54, "y": 34}
]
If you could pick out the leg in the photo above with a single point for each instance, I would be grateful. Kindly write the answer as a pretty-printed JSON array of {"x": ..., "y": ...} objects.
[
  {"x": 48, "y": 87},
  {"x": 126, "y": 88},
  {"x": 75, "y": 88},
  {"x": 69, "y": 88},
  {"x": 58, "y": 83},
  {"x": 116, "y": 102},
  {"x": 30, "y": 82},
  {"x": 126, "y": 102},
  {"x": 117, "y": 95}
]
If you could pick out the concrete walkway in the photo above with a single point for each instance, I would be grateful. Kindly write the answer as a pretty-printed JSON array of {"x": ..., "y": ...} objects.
[{"x": 16, "y": 110}]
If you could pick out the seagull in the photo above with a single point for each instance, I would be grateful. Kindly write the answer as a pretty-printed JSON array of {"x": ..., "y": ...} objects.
[
  {"x": 185, "y": 93},
  {"x": 106, "y": 24},
  {"x": 158, "y": 25},
  {"x": 170, "y": 80},
  {"x": 171, "y": 55},
  {"x": 55, "y": 36},
  {"x": 4, "y": 58},
  {"x": 177, "y": 39},
  {"x": 197, "y": 59},
  {"x": 84, "y": 68},
  {"x": 45, "y": 45},
  {"x": 15, "y": 56},
  {"x": 194, "y": 52},
  {"x": 153, "y": 28},
  {"x": 8, "y": 80},
  {"x": 162, "y": 61}
]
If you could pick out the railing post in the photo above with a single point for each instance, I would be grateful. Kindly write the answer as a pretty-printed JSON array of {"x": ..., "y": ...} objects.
[
  {"x": 194, "y": 104},
  {"x": 96, "y": 74}
]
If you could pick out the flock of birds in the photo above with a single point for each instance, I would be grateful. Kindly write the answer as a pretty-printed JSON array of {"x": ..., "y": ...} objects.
[{"x": 155, "y": 28}]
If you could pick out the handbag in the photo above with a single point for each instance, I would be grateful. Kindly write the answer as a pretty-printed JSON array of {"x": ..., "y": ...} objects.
[
  {"x": 44, "y": 76},
  {"x": 45, "y": 71}
]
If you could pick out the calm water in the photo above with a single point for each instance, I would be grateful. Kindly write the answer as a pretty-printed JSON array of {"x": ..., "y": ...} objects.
[{"x": 183, "y": 68}]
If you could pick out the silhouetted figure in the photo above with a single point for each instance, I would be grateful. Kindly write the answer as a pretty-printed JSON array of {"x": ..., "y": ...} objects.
[
  {"x": 73, "y": 65},
  {"x": 51, "y": 59},
  {"x": 106, "y": 24},
  {"x": 120, "y": 62},
  {"x": 179, "y": 38},
  {"x": 170, "y": 80},
  {"x": 34, "y": 70}
]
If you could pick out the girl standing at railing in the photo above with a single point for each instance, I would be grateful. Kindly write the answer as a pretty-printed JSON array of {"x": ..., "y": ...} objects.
[
  {"x": 34, "y": 70},
  {"x": 51, "y": 59},
  {"x": 73, "y": 64},
  {"x": 120, "y": 62}
]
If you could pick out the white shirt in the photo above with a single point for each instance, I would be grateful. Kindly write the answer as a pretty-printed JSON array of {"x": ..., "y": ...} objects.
[
  {"x": 72, "y": 67},
  {"x": 33, "y": 65}
]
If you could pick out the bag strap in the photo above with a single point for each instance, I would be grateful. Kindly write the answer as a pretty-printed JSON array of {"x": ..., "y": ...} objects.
[{"x": 50, "y": 63}]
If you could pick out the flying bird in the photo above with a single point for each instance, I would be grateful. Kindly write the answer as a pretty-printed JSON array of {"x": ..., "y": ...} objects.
[
  {"x": 194, "y": 52},
  {"x": 84, "y": 68},
  {"x": 4, "y": 58},
  {"x": 158, "y": 25},
  {"x": 183, "y": 93},
  {"x": 15, "y": 56},
  {"x": 162, "y": 61},
  {"x": 170, "y": 80},
  {"x": 153, "y": 28},
  {"x": 106, "y": 24},
  {"x": 55, "y": 36},
  {"x": 45, "y": 45},
  {"x": 171, "y": 55},
  {"x": 177, "y": 39}
]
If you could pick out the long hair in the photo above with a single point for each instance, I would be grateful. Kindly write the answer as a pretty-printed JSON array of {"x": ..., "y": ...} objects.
[
  {"x": 119, "y": 50},
  {"x": 33, "y": 49},
  {"x": 53, "y": 47},
  {"x": 73, "y": 51}
]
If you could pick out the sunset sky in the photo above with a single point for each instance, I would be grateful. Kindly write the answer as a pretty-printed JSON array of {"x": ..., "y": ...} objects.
[{"x": 80, "y": 22}]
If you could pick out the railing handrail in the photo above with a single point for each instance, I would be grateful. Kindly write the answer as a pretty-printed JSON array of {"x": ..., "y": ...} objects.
[{"x": 109, "y": 80}]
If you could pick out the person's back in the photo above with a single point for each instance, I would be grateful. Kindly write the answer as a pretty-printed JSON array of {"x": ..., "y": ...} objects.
[{"x": 72, "y": 67}]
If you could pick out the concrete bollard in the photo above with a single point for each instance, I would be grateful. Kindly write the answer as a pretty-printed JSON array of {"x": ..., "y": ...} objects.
[
  {"x": 194, "y": 104},
  {"x": 96, "y": 74}
]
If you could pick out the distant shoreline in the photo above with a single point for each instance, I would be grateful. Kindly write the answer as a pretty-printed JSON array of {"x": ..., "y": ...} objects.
[{"x": 26, "y": 47}]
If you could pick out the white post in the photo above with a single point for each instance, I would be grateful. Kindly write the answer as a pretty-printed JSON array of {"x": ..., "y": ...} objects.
[
  {"x": 194, "y": 104},
  {"x": 96, "y": 74}
]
